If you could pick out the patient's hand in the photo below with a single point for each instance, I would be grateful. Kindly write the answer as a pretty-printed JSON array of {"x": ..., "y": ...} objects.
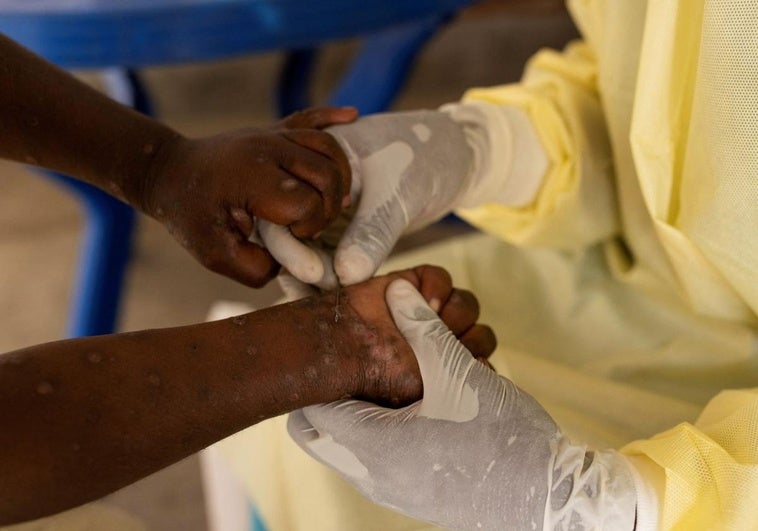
[{"x": 372, "y": 358}]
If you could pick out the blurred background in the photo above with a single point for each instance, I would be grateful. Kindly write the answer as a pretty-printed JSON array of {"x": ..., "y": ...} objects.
[{"x": 41, "y": 225}]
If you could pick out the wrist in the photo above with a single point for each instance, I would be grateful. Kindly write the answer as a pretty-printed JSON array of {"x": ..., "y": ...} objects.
[
  {"x": 594, "y": 487},
  {"x": 509, "y": 162},
  {"x": 141, "y": 189},
  {"x": 320, "y": 350}
]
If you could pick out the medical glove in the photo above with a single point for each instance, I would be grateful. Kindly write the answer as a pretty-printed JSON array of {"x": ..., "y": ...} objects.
[
  {"x": 475, "y": 453},
  {"x": 410, "y": 169}
]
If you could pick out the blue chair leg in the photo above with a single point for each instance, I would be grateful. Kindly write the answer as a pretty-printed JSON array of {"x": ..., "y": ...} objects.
[
  {"x": 382, "y": 66},
  {"x": 109, "y": 225},
  {"x": 375, "y": 76},
  {"x": 103, "y": 259},
  {"x": 295, "y": 81},
  {"x": 256, "y": 523}
]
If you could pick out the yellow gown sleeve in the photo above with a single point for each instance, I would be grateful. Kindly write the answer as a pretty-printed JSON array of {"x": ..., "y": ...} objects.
[
  {"x": 709, "y": 470},
  {"x": 575, "y": 206}
]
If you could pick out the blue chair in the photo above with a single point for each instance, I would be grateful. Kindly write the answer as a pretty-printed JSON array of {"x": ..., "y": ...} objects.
[{"x": 124, "y": 35}]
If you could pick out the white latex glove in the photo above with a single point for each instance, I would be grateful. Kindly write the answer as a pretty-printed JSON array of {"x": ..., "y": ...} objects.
[
  {"x": 475, "y": 453},
  {"x": 410, "y": 169}
]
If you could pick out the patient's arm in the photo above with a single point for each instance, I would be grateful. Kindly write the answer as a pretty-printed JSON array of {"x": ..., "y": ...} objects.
[{"x": 83, "y": 417}]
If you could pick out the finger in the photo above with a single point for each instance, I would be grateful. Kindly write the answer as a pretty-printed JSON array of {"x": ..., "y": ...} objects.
[
  {"x": 300, "y": 429},
  {"x": 294, "y": 289},
  {"x": 305, "y": 263},
  {"x": 480, "y": 340},
  {"x": 436, "y": 285},
  {"x": 486, "y": 363},
  {"x": 319, "y": 117},
  {"x": 244, "y": 222},
  {"x": 382, "y": 215},
  {"x": 322, "y": 174},
  {"x": 368, "y": 239},
  {"x": 433, "y": 282},
  {"x": 288, "y": 200},
  {"x": 244, "y": 262},
  {"x": 443, "y": 361},
  {"x": 325, "y": 431},
  {"x": 460, "y": 311},
  {"x": 326, "y": 145}
]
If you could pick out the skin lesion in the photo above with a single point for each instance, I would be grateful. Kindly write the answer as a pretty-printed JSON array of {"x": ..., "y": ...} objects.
[{"x": 388, "y": 372}]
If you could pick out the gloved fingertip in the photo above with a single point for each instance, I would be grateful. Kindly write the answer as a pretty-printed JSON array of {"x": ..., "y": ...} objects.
[
  {"x": 353, "y": 265},
  {"x": 407, "y": 304},
  {"x": 400, "y": 290},
  {"x": 298, "y": 426},
  {"x": 303, "y": 262},
  {"x": 293, "y": 288},
  {"x": 308, "y": 271}
]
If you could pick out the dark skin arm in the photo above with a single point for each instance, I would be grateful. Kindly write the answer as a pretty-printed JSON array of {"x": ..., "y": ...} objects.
[
  {"x": 206, "y": 191},
  {"x": 83, "y": 417}
]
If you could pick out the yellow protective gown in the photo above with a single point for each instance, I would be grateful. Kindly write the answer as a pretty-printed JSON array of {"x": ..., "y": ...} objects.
[{"x": 625, "y": 297}]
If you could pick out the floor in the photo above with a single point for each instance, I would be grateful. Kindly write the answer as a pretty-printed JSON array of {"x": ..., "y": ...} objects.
[{"x": 40, "y": 226}]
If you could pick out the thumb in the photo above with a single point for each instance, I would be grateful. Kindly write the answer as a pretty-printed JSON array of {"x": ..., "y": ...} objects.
[
  {"x": 327, "y": 432},
  {"x": 305, "y": 263},
  {"x": 444, "y": 362},
  {"x": 319, "y": 117},
  {"x": 294, "y": 289}
]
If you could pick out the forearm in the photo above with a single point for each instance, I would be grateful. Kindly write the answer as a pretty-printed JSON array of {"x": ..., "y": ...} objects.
[
  {"x": 84, "y": 417},
  {"x": 48, "y": 118}
]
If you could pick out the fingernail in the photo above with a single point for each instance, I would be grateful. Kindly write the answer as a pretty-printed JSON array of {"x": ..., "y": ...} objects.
[
  {"x": 346, "y": 201},
  {"x": 434, "y": 304},
  {"x": 318, "y": 235}
]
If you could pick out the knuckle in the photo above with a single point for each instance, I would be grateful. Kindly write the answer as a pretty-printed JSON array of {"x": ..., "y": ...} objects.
[
  {"x": 465, "y": 299},
  {"x": 437, "y": 272},
  {"x": 310, "y": 205}
]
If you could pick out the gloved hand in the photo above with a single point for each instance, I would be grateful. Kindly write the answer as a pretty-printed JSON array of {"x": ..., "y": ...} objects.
[
  {"x": 410, "y": 169},
  {"x": 475, "y": 453}
]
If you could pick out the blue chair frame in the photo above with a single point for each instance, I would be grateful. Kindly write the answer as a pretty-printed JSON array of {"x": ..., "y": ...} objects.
[{"x": 128, "y": 34}]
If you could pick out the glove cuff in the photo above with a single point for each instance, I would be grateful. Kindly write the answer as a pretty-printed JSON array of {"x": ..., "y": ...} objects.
[
  {"x": 647, "y": 477},
  {"x": 509, "y": 160},
  {"x": 596, "y": 489}
]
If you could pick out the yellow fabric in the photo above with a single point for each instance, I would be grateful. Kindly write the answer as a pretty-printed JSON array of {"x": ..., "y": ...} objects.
[
  {"x": 575, "y": 206},
  {"x": 711, "y": 468},
  {"x": 674, "y": 86},
  {"x": 626, "y": 297},
  {"x": 90, "y": 517}
]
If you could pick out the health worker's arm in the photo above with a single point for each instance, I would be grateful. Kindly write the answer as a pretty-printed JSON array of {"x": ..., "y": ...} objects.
[
  {"x": 83, "y": 417},
  {"x": 476, "y": 452},
  {"x": 520, "y": 471},
  {"x": 529, "y": 163},
  {"x": 206, "y": 191}
]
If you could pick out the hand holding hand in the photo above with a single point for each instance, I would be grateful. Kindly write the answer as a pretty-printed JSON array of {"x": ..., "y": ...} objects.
[
  {"x": 210, "y": 191},
  {"x": 475, "y": 453},
  {"x": 361, "y": 346},
  {"x": 409, "y": 169}
]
